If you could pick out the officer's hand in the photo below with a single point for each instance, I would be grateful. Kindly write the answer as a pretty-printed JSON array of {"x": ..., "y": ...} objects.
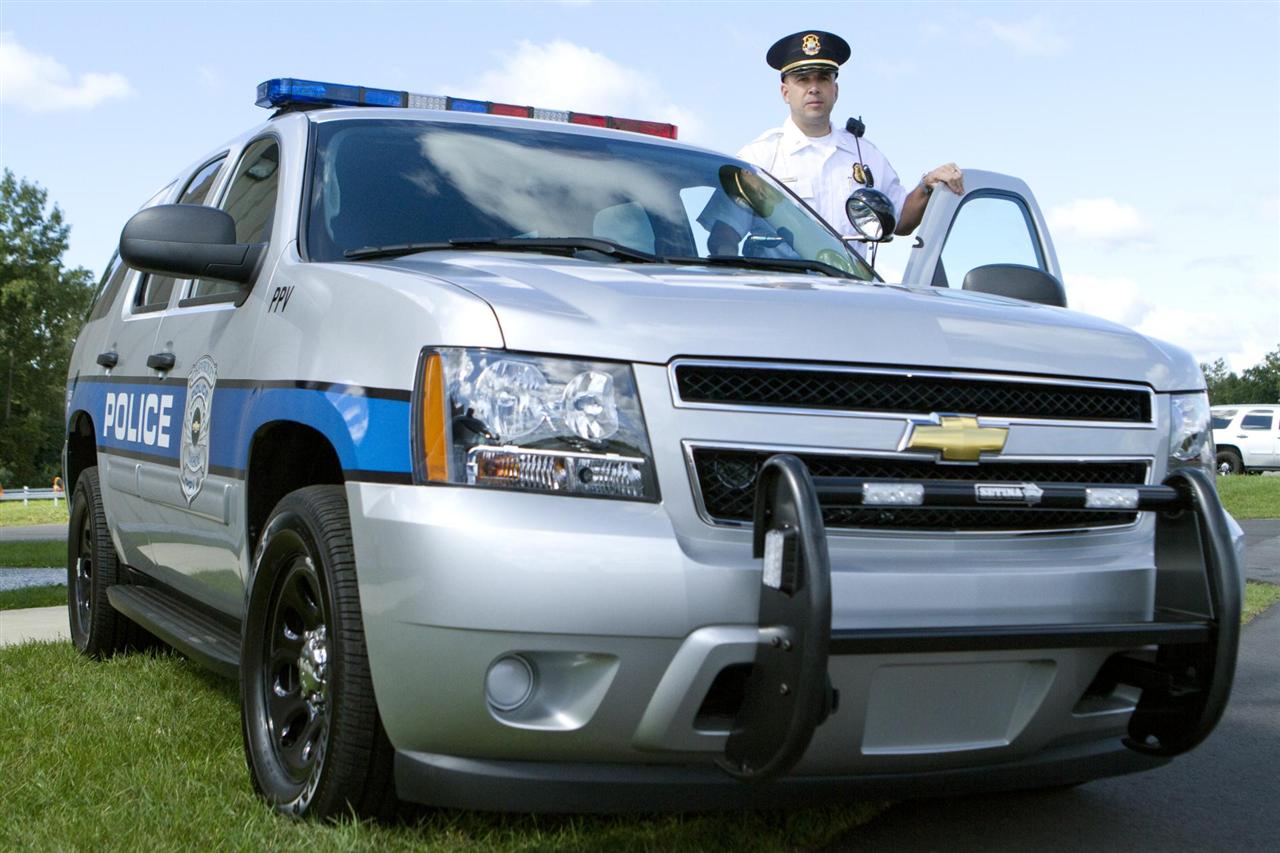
[{"x": 949, "y": 174}]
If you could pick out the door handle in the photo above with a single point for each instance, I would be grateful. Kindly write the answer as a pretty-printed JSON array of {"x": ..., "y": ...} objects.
[
  {"x": 108, "y": 359},
  {"x": 161, "y": 360}
]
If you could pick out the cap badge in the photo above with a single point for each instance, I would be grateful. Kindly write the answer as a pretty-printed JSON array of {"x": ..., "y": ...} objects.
[{"x": 810, "y": 45}]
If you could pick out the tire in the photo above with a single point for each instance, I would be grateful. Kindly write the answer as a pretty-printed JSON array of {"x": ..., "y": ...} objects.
[
  {"x": 313, "y": 740},
  {"x": 1229, "y": 462},
  {"x": 97, "y": 629}
]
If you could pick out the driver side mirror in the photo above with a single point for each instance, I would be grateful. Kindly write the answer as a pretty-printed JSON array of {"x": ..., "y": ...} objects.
[
  {"x": 872, "y": 215},
  {"x": 189, "y": 241}
]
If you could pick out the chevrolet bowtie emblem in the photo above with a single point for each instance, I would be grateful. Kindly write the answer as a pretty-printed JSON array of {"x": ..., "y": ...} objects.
[{"x": 958, "y": 439}]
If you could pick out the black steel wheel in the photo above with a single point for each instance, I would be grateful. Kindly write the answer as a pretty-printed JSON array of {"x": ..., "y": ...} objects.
[
  {"x": 97, "y": 629},
  {"x": 1229, "y": 462},
  {"x": 312, "y": 737}
]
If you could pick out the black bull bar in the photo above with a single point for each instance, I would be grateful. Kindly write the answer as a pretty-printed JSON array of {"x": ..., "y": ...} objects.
[{"x": 1185, "y": 683}]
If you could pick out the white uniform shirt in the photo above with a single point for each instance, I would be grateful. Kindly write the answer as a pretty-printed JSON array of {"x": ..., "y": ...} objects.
[{"x": 819, "y": 170}]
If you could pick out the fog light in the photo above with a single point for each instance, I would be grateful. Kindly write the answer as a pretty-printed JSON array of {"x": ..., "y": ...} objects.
[{"x": 509, "y": 682}]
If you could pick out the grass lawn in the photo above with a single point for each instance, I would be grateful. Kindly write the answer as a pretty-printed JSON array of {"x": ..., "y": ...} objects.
[
  {"x": 33, "y": 596},
  {"x": 35, "y": 512},
  {"x": 144, "y": 752},
  {"x": 1250, "y": 497},
  {"x": 23, "y": 554},
  {"x": 1257, "y": 598}
]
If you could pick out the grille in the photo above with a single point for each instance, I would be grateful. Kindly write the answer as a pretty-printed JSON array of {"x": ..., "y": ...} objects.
[
  {"x": 728, "y": 479},
  {"x": 884, "y": 392}
]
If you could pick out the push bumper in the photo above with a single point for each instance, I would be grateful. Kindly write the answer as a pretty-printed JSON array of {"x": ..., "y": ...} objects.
[{"x": 1184, "y": 659}]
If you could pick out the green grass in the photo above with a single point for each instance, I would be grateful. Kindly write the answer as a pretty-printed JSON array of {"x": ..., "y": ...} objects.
[
  {"x": 1245, "y": 496},
  {"x": 1257, "y": 598},
  {"x": 35, "y": 512},
  {"x": 33, "y": 596},
  {"x": 143, "y": 752},
  {"x": 23, "y": 554}
]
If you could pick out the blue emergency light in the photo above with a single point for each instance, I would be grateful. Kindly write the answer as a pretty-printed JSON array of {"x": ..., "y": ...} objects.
[{"x": 286, "y": 92}]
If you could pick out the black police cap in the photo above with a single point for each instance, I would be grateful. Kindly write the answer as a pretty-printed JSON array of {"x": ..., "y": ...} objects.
[{"x": 808, "y": 49}]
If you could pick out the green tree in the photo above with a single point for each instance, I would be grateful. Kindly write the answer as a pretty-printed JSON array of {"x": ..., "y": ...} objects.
[
  {"x": 41, "y": 307},
  {"x": 1257, "y": 384}
]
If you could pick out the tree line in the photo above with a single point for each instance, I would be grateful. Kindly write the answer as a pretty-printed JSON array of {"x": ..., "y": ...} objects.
[{"x": 42, "y": 305}]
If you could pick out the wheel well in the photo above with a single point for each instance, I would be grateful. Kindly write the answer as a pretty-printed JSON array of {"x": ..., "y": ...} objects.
[
  {"x": 1231, "y": 447},
  {"x": 82, "y": 450},
  {"x": 285, "y": 456}
]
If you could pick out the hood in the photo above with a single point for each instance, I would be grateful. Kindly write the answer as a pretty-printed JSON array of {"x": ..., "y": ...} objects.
[{"x": 653, "y": 313}]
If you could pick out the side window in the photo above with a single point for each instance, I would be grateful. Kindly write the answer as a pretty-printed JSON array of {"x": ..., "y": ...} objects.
[
  {"x": 988, "y": 229},
  {"x": 1221, "y": 420},
  {"x": 108, "y": 288},
  {"x": 153, "y": 293},
  {"x": 251, "y": 201},
  {"x": 1257, "y": 421}
]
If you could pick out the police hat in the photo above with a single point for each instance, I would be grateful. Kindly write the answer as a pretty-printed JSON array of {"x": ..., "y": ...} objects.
[{"x": 808, "y": 49}]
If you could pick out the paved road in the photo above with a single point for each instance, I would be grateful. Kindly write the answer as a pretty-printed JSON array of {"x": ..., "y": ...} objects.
[
  {"x": 1262, "y": 544},
  {"x": 1222, "y": 796},
  {"x": 45, "y": 532}
]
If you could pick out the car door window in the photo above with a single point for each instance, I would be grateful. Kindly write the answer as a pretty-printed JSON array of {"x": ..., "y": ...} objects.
[
  {"x": 155, "y": 290},
  {"x": 251, "y": 201},
  {"x": 1222, "y": 420},
  {"x": 988, "y": 229},
  {"x": 1257, "y": 421},
  {"x": 115, "y": 275}
]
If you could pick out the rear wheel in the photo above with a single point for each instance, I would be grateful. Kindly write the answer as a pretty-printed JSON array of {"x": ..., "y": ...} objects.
[
  {"x": 97, "y": 629},
  {"x": 312, "y": 736},
  {"x": 1229, "y": 462}
]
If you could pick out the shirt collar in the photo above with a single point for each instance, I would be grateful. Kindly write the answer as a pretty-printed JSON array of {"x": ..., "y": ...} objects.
[{"x": 793, "y": 138}]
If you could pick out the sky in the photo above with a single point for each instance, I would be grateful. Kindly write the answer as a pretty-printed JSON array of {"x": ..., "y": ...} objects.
[{"x": 1149, "y": 132}]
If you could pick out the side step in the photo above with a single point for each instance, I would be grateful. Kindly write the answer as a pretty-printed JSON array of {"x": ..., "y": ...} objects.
[{"x": 188, "y": 629}]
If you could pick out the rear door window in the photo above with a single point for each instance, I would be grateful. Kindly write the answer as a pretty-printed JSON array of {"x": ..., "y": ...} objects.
[
  {"x": 155, "y": 291},
  {"x": 1257, "y": 420}
]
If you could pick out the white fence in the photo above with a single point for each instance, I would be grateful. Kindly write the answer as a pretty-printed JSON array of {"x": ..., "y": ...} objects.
[{"x": 26, "y": 493}]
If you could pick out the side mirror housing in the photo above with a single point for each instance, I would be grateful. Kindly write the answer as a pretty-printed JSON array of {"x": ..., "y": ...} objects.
[
  {"x": 1030, "y": 284},
  {"x": 189, "y": 241},
  {"x": 872, "y": 215}
]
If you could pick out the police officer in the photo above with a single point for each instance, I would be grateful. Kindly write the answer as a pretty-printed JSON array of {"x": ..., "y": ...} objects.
[{"x": 821, "y": 164}]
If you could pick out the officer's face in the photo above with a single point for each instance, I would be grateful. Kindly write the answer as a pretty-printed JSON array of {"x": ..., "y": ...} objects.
[{"x": 811, "y": 95}]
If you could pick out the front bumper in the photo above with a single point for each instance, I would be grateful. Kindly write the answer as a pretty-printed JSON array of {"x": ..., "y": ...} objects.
[{"x": 632, "y": 621}]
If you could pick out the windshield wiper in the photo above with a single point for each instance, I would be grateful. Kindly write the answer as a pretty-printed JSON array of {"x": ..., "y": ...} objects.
[
  {"x": 549, "y": 245},
  {"x": 779, "y": 264}
]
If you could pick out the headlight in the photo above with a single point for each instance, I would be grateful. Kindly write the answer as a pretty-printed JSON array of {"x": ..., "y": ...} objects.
[
  {"x": 509, "y": 420},
  {"x": 1190, "y": 435}
]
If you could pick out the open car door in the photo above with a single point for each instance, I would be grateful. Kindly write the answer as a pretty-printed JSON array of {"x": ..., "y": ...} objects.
[{"x": 992, "y": 239}]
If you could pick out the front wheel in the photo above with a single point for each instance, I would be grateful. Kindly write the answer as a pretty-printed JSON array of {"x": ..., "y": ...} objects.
[
  {"x": 1229, "y": 462},
  {"x": 312, "y": 736}
]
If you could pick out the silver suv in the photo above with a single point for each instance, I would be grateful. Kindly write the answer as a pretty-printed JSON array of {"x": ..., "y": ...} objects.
[{"x": 444, "y": 434}]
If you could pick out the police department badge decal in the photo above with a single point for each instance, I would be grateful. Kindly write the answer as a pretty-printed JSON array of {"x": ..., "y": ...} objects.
[
  {"x": 193, "y": 454},
  {"x": 810, "y": 45}
]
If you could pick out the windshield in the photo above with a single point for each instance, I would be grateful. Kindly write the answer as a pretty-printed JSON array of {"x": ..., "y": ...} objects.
[{"x": 387, "y": 182}]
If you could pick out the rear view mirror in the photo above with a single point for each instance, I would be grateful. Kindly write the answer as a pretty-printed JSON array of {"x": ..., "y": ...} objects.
[
  {"x": 872, "y": 215},
  {"x": 189, "y": 241},
  {"x": 1030, "y": 284}
]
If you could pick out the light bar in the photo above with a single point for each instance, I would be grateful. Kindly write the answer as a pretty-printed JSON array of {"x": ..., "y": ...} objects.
[
  {"x": 1111, "y": 498},
  {"x": 287, "y": 92}
]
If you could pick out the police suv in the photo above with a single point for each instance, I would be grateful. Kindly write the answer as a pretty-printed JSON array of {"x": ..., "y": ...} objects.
[{"x": 435, "y": 424}]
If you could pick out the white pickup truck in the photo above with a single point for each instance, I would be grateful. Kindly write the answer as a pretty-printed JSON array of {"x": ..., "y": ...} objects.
[{"x": 1247, "y": 438}]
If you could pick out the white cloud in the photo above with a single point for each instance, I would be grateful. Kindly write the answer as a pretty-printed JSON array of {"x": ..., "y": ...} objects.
[
  {"x": 562, "y": 75},
  {"x": 1033, "y": 37},
  {"x": 42, "y": 84},
  {"x": 1207, "y": 327},
  {"x": 1103, "y": 220}
]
